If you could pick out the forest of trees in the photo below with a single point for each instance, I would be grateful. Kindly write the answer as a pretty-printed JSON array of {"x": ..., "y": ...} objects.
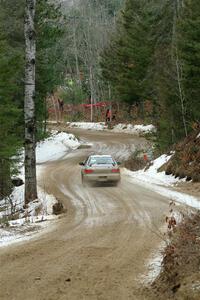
[
  {"x": 69, "y": 39},
  {"x": 132, "y": 51},
  {"x": 155, "y": 55},
  {"x": 50, "y": 70},
  {"x": 127, "y": 50},
  {"x": 90, "y": 24}
]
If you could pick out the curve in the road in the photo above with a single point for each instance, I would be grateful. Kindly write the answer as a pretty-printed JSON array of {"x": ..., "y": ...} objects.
[{"x": 100, "y": 246}]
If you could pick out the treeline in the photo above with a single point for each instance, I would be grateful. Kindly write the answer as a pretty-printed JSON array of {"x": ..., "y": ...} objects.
[
  {"x": 69, "y": 40},
  {"x": 148, "y": 51},
  {"x": 50, "y": 68},
  {"x": 154, "y": 54},
  {"x": 90, "y": 24}
]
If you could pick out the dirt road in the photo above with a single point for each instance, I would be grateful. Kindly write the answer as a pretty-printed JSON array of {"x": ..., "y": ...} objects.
[{"x": 99, "y": 247}]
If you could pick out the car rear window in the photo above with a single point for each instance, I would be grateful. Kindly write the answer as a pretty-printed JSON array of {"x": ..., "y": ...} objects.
[{"x": 101, "y": 161}]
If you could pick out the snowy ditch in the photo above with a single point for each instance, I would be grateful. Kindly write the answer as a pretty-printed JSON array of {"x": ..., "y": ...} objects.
[
  {"x": 39, "y": 212},
  {"x": 160, "y": 183}
]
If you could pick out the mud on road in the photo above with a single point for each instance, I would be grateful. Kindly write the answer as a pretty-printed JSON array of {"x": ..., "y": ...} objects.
[{"x": 100, "y": 247}]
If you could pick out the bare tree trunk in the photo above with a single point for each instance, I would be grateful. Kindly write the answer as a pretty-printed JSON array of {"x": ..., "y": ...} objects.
[
  {"x": 177, "y": 6},
  {"x": 76, "y": 55},
  {"x": 55, "y": 108},
  {"x": 181, "y": 94},
  {"x": 29, "y": 103},
  {"x": 91, "y": 96},
  {"x": 109, "y": 97}
]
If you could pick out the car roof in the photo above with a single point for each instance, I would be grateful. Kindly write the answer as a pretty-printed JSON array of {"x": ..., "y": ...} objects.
[{"x": 100, "y": 156}]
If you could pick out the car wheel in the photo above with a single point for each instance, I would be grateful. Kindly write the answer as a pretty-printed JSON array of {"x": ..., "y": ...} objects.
[
  {"x": 83, "y": 181},
  {"x": 115, "y": 183}
]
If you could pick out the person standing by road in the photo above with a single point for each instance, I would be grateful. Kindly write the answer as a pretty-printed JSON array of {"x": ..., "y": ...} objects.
[{"x": 108, "y": 115}]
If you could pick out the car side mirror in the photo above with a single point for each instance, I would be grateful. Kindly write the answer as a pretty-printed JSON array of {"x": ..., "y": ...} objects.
[{"x": 82, "y": 163}]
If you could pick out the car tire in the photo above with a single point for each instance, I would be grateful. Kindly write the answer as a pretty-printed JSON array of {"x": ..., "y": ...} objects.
[
  {"x": 83, "y": 181},
  {"x": 116, "y": 183}
]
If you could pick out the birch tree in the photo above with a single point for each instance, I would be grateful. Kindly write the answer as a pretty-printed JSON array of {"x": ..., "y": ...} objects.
[
  {"x": 29, "y": 102},
  {"x": 178, "y": 64}
]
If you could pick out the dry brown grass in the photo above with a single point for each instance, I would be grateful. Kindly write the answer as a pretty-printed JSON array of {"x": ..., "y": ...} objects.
[
  {"x": 180, "y": 276},
  {"x": 186, "y": 160}
]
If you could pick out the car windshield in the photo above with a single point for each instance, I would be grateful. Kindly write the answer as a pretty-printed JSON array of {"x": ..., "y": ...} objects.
[{"x": 104, "y": 160}]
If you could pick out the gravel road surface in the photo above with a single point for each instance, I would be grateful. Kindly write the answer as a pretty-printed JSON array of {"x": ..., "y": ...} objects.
[{"x": 100, "y": 247}]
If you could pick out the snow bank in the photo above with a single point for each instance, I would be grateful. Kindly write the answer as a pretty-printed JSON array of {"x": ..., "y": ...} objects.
[
  {"x": 53, "y": 148},
  {"x": 24, "y": 229},
  {"x": 160, "y": 182},
  {"x": 152, "y": 176},
  {"x": 31, "y": 220},
  {"x": 154, "y": 266},
  {"x": 88, "y": 125},
  {"x": 126, "y": 128},
  {"x": 56, "y": 146},
  {"x": 39, "y": 211},
  {"x": 134, "y": 129}
]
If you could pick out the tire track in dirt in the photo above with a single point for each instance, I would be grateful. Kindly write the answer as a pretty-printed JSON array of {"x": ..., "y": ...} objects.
[{"x": 99, "y": 247}]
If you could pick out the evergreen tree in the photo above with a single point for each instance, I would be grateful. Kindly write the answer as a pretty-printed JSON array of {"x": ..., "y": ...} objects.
[
  {"x": 125, "y": 62},
  {"x": 163, "y": 76},
  {"x": 175, "y": 82},
  {"x": 11, "y": 88},
  {"x": 189, "y": 51},
  {"x": 51, "y": 61},
  {"x": 49, "y": 74},
  {"x": 154, "y": 53}
]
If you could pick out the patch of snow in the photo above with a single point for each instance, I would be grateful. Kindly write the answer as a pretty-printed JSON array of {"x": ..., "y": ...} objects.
[
  {"x": 196, "y": 286},
  {"x": 152, "y": 176},
  {"x": 33, "y": 218},
  {"x": 154, "y": 266},
  {"x": 134, "y": 129},
  {"x": 88, "y": 125},
  {"x": 154, "y": 262},
  {"x": 22, "y": 230},
  {"x": 177, "y": 215},
  {"x": 159, "y": 181},
  {"x": 198, "y": 136},
  {"x": 56, "y": 146},
  {"x": 126, "y": 128},
  {"x": 52, "y": 122}
]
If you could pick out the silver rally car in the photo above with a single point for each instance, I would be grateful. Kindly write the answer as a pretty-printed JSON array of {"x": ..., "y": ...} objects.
[{"x": 100, "y": 168}]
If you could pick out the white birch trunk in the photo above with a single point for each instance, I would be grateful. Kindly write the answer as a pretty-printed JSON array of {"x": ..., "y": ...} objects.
[
  {"x": 181, "y": 95},
  {"x": 177, "y": 7},
  {"x": 29, "y": 103}
]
